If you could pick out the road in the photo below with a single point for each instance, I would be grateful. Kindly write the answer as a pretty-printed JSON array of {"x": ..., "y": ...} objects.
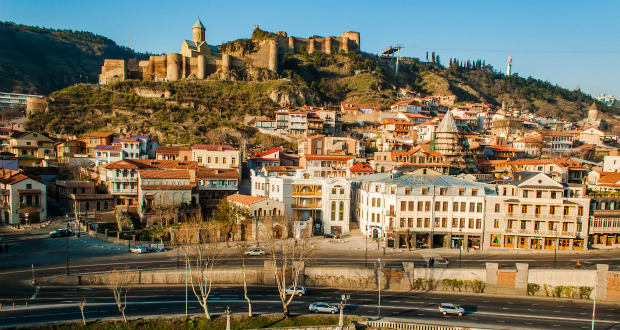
[
  {"x": 33, "y": 250},
  {"x": 54, "y": 304}
]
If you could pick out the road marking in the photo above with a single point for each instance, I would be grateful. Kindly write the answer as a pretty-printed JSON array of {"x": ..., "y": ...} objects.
[
  {"x": 164, "y": 308},
  {"x": 506, "y": 308},
  {"x": 421, "y": 314}
]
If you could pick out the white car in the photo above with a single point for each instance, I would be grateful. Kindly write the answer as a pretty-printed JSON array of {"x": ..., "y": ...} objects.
[
  {"x": 138, "y": 249},
  {"x": 255, "y": 252},
  {"x": 323, "y": 308},
  {"x": 300, "y": 290},
  {"x": 446, "y": 308}
]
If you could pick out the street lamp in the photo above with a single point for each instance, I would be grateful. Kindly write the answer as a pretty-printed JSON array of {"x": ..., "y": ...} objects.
[
  {"x": 555, "y": 251},
  {"x": 68, "y": 234},
  {"x": 343, "y": 303},
  {"x": 594, "y": 302},
  {"x": 460, "y": 245},
  {"x": 379, "y": 276},
  {"x": 366, "y": 245}
]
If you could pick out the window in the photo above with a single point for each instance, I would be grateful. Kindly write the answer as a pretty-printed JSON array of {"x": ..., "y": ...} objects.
[
  {"x": 402, "y": 222},
  {"x": 334, "y": 211},
  {"x": 504, "y": 191},
  {"x": 437, "y": 221},
  {"x": 474, "y": 192},
  {"x": 200, "y": 160},
  {"x": 537, "y": 225},
  {"x": 334, "y": 192},
  {"x": 410, "y": 222},
  {"x": 208, "y": 160},
  {"x": 376, "y": 188},
  {"x": 553, "y": 193},
  {"x": 373, "y": 217},
  {"x": 427, "y": 222},
  {"x": 497, "y": 208},
  {"x": 479, "y": 207},
  {"x": 445, "y": 207},
  {"x": 523, "y": 224},
  {"x": 424, "y": 191},
  {"x": 454, "y": 222},
  {"x": 373, "y": 202},
  {"x": 420, "y": 206},
  {"x": 407, "y": 191},
  {"x": 580, "y": 211},
  {"x": 341, "y": 212},
  {"x": 510, "y": 223},
  {"x": 437, "y": 206},
  {"x": 551, "y": 226},
  {"x": 224, "y": 160},
  {"x": 28, "y": 186},
  {"x": 403, "y": 205},
  {"x": 419, "y": 223},
  {"x": 378, "y": 202},
  {"x": 565, "y": 210},
  {"x": 411, "y": 206},
  {"x": 472, "y": 207},
  {"x": 524, "y": 209},
  {"x": 463, "y": 207},
  {"x": 478, "y": 223},
  {"x": 496, "y": 223},
  {"x": 462, "y": 224},
  {"x": 579, "y": 227},
  {"x": 232, "y": 163},
  {"x": 427, "y": 206},
  {"x": 471, "y": 223},
  {"x": 341, "y": 191},
  {"x": 444, "y": 222},
  {"x": 552, "y": 210},
  {"x": 461, "y": 192},
  {"x": 538, "y": 194},
  {"x": 442, "y": 191},
  {"x": 216, "y": 159},
  {"x": 537, "y": 210},
  {"x": 565, "y": 226}
]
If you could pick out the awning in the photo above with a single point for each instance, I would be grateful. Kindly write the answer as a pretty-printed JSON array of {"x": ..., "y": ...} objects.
[
  {"x": 149, "y": 197},
  {"x": 29, "y": 191}
]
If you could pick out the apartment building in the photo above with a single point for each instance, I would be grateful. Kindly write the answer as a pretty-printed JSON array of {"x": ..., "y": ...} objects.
[
  {"x": 325, "y": 145},
  {"x": 604, "y": 231},
  {"x": 332, "y": 121},
  {"x": 437, "y": 211},
  {"x": 92, "y": 140},
  {"x": 533, "y": 211},
  {"x": 271, "y": 157},
  {"x": 173, "y": 153},
  {"x": 562, "y": 169},
  {"x": 324, "y": 202},
  {"x": 556, "y": 142},
  {"x": 399, "y": 127},
  {"x": 327, "y": 166},
  {"x": 81, "y": 196},
  {"x": 170, "y": 189},
  {"x": 217, "y": 156},
  {"x": 31, "y": 148},
  {"x": 213, "y": 185},
  {"x": 24, "y": 199},
  {"x": 136, "y": 146}
]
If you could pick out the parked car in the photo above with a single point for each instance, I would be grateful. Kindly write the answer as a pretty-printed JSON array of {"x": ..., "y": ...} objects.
[
  {"x": 447, "y": 308},
  {"x": 138, "y": 249},
  {"x": 331, "y": 235},
  {"x": 323, "y": 308},
  {"x": 62, "y": 232},
  {"x": 255, "y": 252},
  {"x": 300, "y": 290}
]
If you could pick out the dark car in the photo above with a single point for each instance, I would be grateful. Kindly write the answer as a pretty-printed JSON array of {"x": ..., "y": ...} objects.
[
  {"x": 331, "y": 235},
  {"x": 61, "y": 233}
]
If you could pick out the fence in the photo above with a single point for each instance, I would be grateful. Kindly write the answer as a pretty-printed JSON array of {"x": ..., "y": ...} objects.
[{"x": 411, "y": 326}]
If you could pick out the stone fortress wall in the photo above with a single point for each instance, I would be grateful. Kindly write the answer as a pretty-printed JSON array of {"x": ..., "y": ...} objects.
[{"x": 175, "y": 66}]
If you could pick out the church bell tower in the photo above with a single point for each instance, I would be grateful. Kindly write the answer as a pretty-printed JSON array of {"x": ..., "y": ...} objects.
[{"x": 198, "y": 32}]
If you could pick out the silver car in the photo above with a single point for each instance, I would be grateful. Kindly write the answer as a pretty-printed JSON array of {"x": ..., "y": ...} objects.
[
  {"x": 300, "y": 290},
  {"x": 255, "y": 252},
  {"x": 323, "y": 308},
  {"x": 446, "y": 308}
]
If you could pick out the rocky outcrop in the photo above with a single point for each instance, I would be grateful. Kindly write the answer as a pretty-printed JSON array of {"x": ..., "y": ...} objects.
[
  {"x": 287, "y": 97},
  {"x": 152, "y": 93}
]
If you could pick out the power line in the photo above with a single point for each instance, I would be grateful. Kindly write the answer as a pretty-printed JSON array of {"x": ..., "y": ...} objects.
[{"x": 524, "y": 51}]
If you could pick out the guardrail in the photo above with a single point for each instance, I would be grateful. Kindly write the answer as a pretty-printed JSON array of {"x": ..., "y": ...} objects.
[{"x": 411, "y": 326}]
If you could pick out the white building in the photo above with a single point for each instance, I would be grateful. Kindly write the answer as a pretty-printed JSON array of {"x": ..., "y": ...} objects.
[
  {"x": 611, "y": 164},
  {"x": 437, "y": 210},
  {"x": 24, "y": 199},
  {"x": 324, "y": 200}
]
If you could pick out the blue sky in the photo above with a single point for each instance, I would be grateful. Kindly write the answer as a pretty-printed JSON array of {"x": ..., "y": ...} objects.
[{"x": 568, "y": 43}]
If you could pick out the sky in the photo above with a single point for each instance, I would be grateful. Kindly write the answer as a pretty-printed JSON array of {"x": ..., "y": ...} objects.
[{"x": 565, "y": 42}]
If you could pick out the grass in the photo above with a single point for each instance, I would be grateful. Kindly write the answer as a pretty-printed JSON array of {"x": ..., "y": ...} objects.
[{"x": 201, "y": 323}]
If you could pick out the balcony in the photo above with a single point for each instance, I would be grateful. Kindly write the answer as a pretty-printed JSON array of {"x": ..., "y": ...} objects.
[
  {"x": 307, "y": 193},
  {"x": 218, "y": 186},
  {"x": 307, "y": 206},
  {"x": 548, "y": 233},
  {"x": 125, "y": 191},
  {"x": 120, "y": 179},
  {"x": 23, "y": 205},
  {"x": 541, "y": 216}
]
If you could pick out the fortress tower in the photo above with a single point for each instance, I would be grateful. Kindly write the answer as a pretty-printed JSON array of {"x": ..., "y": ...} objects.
[
  {"x": 198, "y": 32},
  {"x": 593, "y": 113}
]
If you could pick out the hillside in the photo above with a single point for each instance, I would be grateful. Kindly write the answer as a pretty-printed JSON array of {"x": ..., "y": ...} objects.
[
  {"x": 213, "y": 110},
  {"x": 40, "y": 61}
]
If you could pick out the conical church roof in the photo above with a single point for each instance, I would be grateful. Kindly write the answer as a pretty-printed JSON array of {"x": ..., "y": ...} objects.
[
  {"x": 594, "y": 107},
  {"x": 448, "y": 124},
  {"x": 198, "y": 25}
]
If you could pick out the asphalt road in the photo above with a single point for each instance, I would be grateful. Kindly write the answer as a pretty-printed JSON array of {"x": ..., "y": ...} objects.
[{"x": 54, "y": 304}]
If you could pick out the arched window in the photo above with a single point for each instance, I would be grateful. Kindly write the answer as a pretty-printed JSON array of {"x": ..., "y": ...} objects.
[
  {"x": 260, "y": 212},
  {"x": 341, "y": 217},
  {"x": 333, "y": 211},
  {"x": 105, "y": 205},
  {"x": 124, "y": 173},
  {"x": 98, "y": 205},
  {"x": 87, "y": 205}
]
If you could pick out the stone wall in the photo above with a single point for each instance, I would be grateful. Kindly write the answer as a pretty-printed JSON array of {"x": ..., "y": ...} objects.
[
  {"x": 35, "y": 104},
  {"x": 340, "y": 277},
  {"x": 113, "y": 71}
]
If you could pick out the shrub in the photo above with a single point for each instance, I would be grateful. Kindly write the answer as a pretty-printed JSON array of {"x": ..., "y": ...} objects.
[
  {"x": 585, "y": 291},
  {"x": 418, "y": 283},
  {"x": 532, "y": 288},
  {"x": 557, "y": 291}
]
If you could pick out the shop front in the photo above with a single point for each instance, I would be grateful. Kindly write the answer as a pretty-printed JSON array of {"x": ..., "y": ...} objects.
[
  {"x": 536, "y": 243},
  {"x": 473, "y": 242},
  {"x": 456, "y": 241},
  {"x": 422, "y": 241},
  {"x": 509, "y": 241},
  {"x": 496, "y": 240}
]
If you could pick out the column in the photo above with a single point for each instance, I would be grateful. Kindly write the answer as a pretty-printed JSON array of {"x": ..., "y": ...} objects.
[
  {"x": 601, "y": 281},
  {"x": 501, "y": 240},
  {"x": 529, "y": 243},
  {"x": 491, "y": 278},
  {"x": 406, "y": 282},
  {"x": 570, "y": 244},
  {"x": 521, "y": 279}
]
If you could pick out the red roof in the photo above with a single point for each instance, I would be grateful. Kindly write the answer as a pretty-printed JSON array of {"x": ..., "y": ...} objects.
[
  {"x": 150, "y": 163},
  {"x": 213, "y": 147},
  {"x": 328, "y": 157},
  {"x": 167, "y": 174},
  {"x": 217, "y": 173},
  {"x": 244, "y": 199},
  {"x": 361, "y": 168}
]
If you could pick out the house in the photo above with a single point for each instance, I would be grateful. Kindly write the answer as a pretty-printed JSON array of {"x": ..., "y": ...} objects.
[
  {"x": 325, "y": 145},
  {"x": 280, "y": 170},
  {"x": 327, "y": 166},
  {"x": 66, "y": 150},
  {"x": 271, "y": 157},
  {"x": 359, "y": 169},
  {"x": 259, "y": 207},
  {"x": 31, "y": 148},
  {"x": 216, "y": 156},
  {"x": 24, "y": 201},
  {"x": 166, "y": 196},
  {"x": 418, "y": 157},
  {"x": 503, "y": 152},
  {"x": 136, "y": 146},
  {"x": 592, "y": 135},
  {"x": 173, "y": 153},
  {"x": 408, "y": 106},
  {"x": 556, "y": 143},
  {"x": 531, "y": 211},
  {"x": 321, "y": 201},
  {"x": 399, "y": 127},
  {"x": 213, "y": 185},
  {"x": 94, "y": 139}
]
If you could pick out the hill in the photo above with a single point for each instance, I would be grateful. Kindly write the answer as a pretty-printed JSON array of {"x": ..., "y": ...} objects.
[
  {"x": 213, "y": 110},
  {"x": 40, "y": 60}
]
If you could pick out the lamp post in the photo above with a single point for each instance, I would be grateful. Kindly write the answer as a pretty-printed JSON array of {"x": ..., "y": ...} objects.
[
  {"x": 460, "y": 245},
  {"x": 343, "y": 303},
  {"x": 379, "y": 276},
  {"x": 366, "y": 245},
  {"x": 555, "y": 251},
  {"x": 594, "y": 302},
  {"x": 68, "y": 234},
  {"x": 186, "y": 265}
]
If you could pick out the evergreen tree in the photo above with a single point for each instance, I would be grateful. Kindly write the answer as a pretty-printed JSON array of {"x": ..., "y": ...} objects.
[
  {"x": 426, "y": 56},
  {"x": 450, "y": 66},
  {"x": 437, "y": 59},
  {"x": 484, "y": 66},
  {"x": 433, "y": 57}
]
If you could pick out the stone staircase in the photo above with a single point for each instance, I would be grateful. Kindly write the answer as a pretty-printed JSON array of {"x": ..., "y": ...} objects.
[
  {"x": 354, "y": 229},
  {"x": 59, "y": 207}
]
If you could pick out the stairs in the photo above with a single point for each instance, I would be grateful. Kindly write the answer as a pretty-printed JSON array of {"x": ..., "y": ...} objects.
[{"x": 58, "y": 207}]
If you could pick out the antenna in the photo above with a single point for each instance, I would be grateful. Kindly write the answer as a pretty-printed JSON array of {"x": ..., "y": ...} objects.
[{"x": 129, "y": 42}]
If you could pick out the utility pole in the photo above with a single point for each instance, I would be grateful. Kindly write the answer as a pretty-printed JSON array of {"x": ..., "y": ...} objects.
[
  {"x": 379, "y": 276},
  {"x": 398, "y": 47},
  {"x": 68, "y": 234}
]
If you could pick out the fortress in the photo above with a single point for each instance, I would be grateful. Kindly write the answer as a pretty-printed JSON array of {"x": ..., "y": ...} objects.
[{"x": 198, "y": 60}]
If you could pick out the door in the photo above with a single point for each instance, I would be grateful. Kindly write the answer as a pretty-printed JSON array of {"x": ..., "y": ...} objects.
[{"x": 610, "y": 241}]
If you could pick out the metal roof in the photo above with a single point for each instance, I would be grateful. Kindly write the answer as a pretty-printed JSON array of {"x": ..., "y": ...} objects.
[{"x": 198, "y": 25}]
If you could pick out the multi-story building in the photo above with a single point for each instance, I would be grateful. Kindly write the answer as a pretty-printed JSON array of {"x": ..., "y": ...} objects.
[
  {"x": 24, "y": 199},
  {"x": 31, "y": 148},
  {"x": 271, "y": 157},
  {"x": 533, "y": 211},
  {"x": 167, "y": 196},
  {"x": 106, "y": 154},
  {"x": 81, "y": 197},
  {"x": 92, "y": 140},
  {"x": 327, "y": 166},
  {"x": 213, "y": 185},
  {"x": 10, "y": 100},
  {"x": 323, "y": 201},
  {"x": 297, "y": 123},
  {"x": 562, "y": 169},
  {"x": 325, "y": 145},
  {"x": 66, "y": 150},
  {"x": 217, "y": 156},
  {"x": 173, "y": 153},
  {"x": 604, "y": 231},
  {"x": 399, "y": 127},
  {"x": 136, "y": 146},
  {"x": 259, "y": 208},
  {"x": 556, "y": 143},
  {"x": 332, "y": 121},
  {"x": 426, "y": 210},
  {"x": 416, "y": 157}
]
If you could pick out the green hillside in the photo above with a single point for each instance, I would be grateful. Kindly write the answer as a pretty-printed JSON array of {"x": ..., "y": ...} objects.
[{"x": 39, "y": 60}]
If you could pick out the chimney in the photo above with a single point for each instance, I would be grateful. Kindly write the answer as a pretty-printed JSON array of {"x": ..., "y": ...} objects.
[
  {"x": 219, "y": 148},
  {"x": 127, "y": 135}
]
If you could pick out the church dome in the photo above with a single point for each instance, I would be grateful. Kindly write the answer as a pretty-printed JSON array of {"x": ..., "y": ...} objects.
[{"x": 198, "y": 25}]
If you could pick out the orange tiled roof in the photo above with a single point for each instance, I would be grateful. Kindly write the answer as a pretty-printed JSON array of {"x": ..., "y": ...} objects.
[
  {"x": 244, "y": 199},
  {"x": 361, "y": 168},
  {"x": 100, "y": 134},
  {"x": 167, "y": 174},
  {"x": 217, "y": 173},
  {"x": 150, "y": 163},
  {"x": 165, "y": 187},
  {"x": 171, "y": 150},
  {"x": 329, "y": 157}
]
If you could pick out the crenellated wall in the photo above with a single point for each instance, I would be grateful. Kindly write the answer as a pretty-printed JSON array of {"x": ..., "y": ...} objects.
[{"x": 348, "y": 41}]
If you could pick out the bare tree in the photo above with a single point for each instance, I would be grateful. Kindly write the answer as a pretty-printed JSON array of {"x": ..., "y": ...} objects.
[
  {"x": 288, "y": 247},
  {"x": 229, "y": 215},
  {"x": 201, "y": 250},
  {"x": 81, "y": 304},
  {"x": 241, "y": 249},
  {"x": 509, "y": 127},
  {"x": 123, "y": 220},
  {"x": 408, "y": 237},
  {"x": 539, "y": 141},
  {"x": 119, "y": 281}
]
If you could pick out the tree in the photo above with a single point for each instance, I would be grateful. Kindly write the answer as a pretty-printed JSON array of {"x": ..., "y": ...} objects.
[
  {"x": 509, "y": 128},
  {"x": 81, "y": 304},
  {"x": 437, "y": 59},
  {"x": 199, "y": 245},
  {"x": 242, "y": 248},
  {"x": 287, "y": 247},
  {"x": 76, "y": 167},
  {"x": 228, "y": 215},
  {"x": 408, "y": 237},
  {"x": 426, "y": 56},
  {"x": 433, "y": 57},
  {"x": 119, "y": 281}
]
